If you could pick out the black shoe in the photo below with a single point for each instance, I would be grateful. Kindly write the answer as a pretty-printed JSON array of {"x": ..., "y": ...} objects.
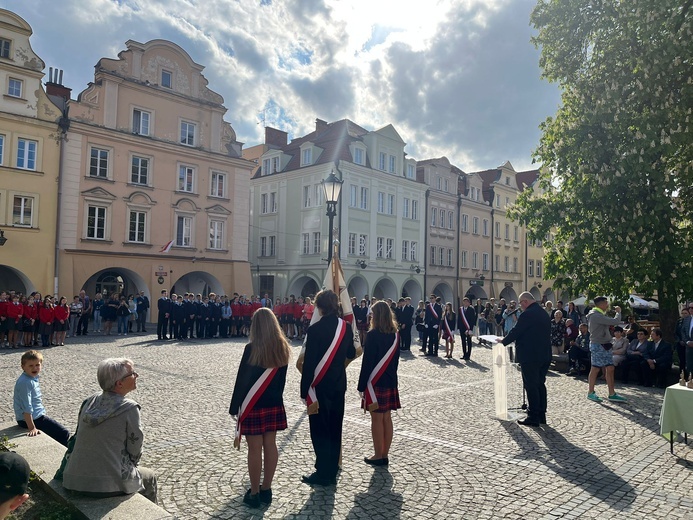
[
  {"x": 252, "y": 500},
  {"x": 375, "y": 462},
  {"x": 266, "y": 496},
  {"x": 528, "y": 422},
  {"x": 316, "y": 480}
]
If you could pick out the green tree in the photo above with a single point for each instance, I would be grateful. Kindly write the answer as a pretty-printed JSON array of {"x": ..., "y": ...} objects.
[{"x": 616, "y": 188}]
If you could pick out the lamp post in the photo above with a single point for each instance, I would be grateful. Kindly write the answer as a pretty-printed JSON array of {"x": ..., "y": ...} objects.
[{"x": 333, "y": 189}]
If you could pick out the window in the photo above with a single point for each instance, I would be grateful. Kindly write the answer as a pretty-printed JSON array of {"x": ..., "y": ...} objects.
[
  {"x": 451, "y": 220},
  {"x": 186, "y": 178},
  {"x": 276, "y": 166},
  {"x": 268, "y": 245},
  {"x": 507, "y": 201},
  {"x": 312, "y": 195},
  {"x": 465, "y": 223},
  {"x": 530, "y": 267},
  {"x": 507, "y": 231},
  {"x": 26, "y": 154},
  {"x": 306, "y": 243},
  {"x": 538, "y": 268},
  {"x": 140, "y": 122},
  {"x": 475, "y": 260},
  {"x": 363, "y": 245},
  {"x": 497, "y": 263},
  {"x": 405, "y": 250},
  {"x": 433, "y": 255},
  {"x": 187, "y": 133},
  {"x": 434, "y": 216},
  {"x": 475, "y": 225},
  {"x": 484, "y": 261},
  {"x": 138, "y": 221},
  {"x": 516, "y": 234},
  {"x": 410, "y": 171},
  {"x": 263, "y": 246},
  {"x": 463, "y": 259},
  {"x": 381, "y": 202},
  {"x": 14, "y": 88},
  {"x": 2, "y": 148},
  {"x": 441, "y": 255},
  {"x": 515, "y": 264},
  {"x": 96, "y": 222},
  {"x": 358, "y": 155},
  {"x": 442, "y": 218},
  {"x": 413, "y": 246},
  {"x": 166, "y": 79},
  {"x": 507, "y": 181},
  {"x": 352, "y": 243},
  {"x": 485, "y": 227},
  {"x": 353, "y": 196},
  {"x": 272, "y": 245},
  {"x": 415, "y": 210},
  {"x": 139, "y": 173},
  {"x": 5, "y": 48},
  {"x": 184, "y": 231},
  {"x": 498, "y": 201},
  {"x": 364, "y": 198},
  {"x": 390, "y": 248},
  {"x": 439, "y": 183},
  {"x": 390, "y": 204},
  {"x": 449, "y": 264},
  {"x": 216, "y": 236},
  {"x": 392, "y": 164},
  {"x": 379, "y": 247},
  {"x": 307, "y": 198},
  {"x": 22, "y": 210},
  {"x": 268, "y": 203},
  {"x": 506, "y": 264},
  {"x": 382, "y": 157},
  {"x": 498, "y": 230},
  {"x": 316, "y": 242},
  {"x": 405, "y": 208},
  {"x": 266, "y": 166},
  {"x": 98, "y": 165},
  {"x": 218, "y": 188},
  {"x": 445, "y": 185},
  {"x": 307, "y": 157}
]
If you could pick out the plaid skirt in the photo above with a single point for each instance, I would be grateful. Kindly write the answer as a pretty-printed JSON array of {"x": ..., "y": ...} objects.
[
  {"x": 263, "y": 420},
  {"x": 388, "y": 399}
]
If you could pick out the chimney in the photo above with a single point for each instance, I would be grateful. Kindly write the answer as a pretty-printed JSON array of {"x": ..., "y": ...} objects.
[
  {"x": 320, "y": 125},
  {"x": 275, "y": 138},
  {"x": 54, "y": 86}
]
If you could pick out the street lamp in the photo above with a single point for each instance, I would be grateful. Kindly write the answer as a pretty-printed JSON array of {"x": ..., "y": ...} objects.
[{"x": 333, "y": 189}]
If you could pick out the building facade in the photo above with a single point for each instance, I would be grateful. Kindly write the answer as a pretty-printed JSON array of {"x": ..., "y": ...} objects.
[
  {"x": 154, "y": 190},
  {"x": 29, "y": 162},
  {"x": 380, "y": 215}
]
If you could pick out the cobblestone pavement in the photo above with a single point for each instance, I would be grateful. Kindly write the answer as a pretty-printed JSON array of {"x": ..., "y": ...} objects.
[{"x": 450, "y": 457}]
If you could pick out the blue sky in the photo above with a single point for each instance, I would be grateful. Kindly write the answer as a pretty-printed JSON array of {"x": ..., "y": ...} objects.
[{"x": 458, "y": 78}]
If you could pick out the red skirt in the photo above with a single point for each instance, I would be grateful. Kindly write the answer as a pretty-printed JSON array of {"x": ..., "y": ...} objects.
[
  {"x": 263, "y": 420},
  {"x": 388, "y": 399}
]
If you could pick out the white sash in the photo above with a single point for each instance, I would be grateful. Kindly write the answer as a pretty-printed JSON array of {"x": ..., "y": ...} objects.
[
  {"x": 321, "y": 369},
  {"x": 465, "y": 318},
  {"x": 433, "y": 310},
  {"x": 370, "y": 399},
  {"x": 250, "y": 399}
]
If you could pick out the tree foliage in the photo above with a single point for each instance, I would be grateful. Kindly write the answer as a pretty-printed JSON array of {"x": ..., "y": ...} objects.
[{"x": 616, "y": 189}]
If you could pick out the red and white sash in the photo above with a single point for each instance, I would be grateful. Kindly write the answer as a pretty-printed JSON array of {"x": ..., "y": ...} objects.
[
  {"x": 433, "y": 310},
  {"x": 466, "y": 323},
  {"x": 324, "y": 365},
  {"x": 447, "y": 326},
  {"x": 369, "y": 398},
  {"x": 251, "y": 399}
]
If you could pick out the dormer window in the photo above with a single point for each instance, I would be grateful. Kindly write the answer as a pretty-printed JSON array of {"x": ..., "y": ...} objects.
[
  {"x": 410, "y": 171},
  {"x": 306, "y": 157},
  {"x": 167, "y": 79},
  {"x": 271, "y": 165},
  {"x": 507, "y": 181},
  {"x": 5, "y": 46},
  {"x": 358, "y": 156}
]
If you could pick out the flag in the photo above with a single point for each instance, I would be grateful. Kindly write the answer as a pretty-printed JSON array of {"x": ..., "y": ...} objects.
[{"x": 167, "y": 247}]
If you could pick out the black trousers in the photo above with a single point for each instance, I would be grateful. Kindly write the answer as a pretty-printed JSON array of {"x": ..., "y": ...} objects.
[
  {"x": 405, "y": 335},
  {"x": 658, "y": 375},
  {"x": 161, "y": 326},
  {"x": 50, "y": 427},
  {"x": 577, "y": 356},
  {"x": 466, "y": 344},
  {"x": 83, "y": 324},
  {"x": 629, "y": 363},
  {"x": 431, "y": 340},
  {"x": 141, "y": 321},
  {"x": 326, "y": 434},
  {"x": 534, "y": 381}
]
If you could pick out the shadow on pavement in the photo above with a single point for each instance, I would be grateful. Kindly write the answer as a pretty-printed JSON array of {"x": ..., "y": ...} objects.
[
  {"x": 575, "y": 465},
  {"x": 320, "y": 504},
  {"x": 477, "y": 366},
  {"x": 378, "y": 500}
]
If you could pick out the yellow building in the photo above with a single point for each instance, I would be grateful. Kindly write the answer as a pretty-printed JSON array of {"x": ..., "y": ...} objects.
[{"x": 29, "y": 164}]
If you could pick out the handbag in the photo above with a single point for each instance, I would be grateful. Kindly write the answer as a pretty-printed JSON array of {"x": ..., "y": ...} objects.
[{"x": 607, "y": 346}]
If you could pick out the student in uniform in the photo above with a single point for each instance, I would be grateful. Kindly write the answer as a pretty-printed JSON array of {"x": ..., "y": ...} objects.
[{"x": 447, "y": 330}]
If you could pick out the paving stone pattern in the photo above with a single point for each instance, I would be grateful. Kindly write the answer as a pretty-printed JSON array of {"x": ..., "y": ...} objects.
[{"x": 451, "y": 458}]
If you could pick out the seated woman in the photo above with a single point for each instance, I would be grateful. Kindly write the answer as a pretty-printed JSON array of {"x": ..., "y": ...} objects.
[{"x": 108, "y": 440}]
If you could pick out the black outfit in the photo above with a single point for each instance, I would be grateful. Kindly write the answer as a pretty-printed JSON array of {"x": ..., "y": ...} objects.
[
  {"x": 190, "y": 314},
  {"x": 532, "y": 337},
  {"x": 164, "y": 308},
  {"x": 247, "y": 376},
  {"x": 142, "y": 308},
  {"x": 579, "y": 354},
  {"x": 326, "y": 425},
  {"x": 83, "y": 323},
  {"x": 432, "y": 323},
  {"x": 378, "y": 344},
  {"x": 662, "y": 354},
  {"x": 406, "y": 319},
  {"x": 177, "y": 317},
  {"x": 470, "y": 314}
]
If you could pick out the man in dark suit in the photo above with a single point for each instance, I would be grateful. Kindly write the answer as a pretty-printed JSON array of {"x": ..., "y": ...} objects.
[
  {"x": 434, "y": 312},
  {"x": 466, "y": 320},
  {"x": 406, "y": 320},
  {"x": 657, "y": 359},
  {"x": 142, "y": 308},
  {"x": 326, "y": 424},
  {"x": 164, "y": 308},
  {"x": 532, "y": 337}
]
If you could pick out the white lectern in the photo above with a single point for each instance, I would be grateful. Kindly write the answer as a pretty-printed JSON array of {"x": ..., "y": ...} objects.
[{"x": 501, "y": 368}]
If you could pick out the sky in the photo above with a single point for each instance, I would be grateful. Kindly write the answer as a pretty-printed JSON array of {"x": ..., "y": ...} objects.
[{"x": 456, "y": 78}]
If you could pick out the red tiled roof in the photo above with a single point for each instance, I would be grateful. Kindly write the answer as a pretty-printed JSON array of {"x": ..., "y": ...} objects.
[{"x": 527, "y": 178}]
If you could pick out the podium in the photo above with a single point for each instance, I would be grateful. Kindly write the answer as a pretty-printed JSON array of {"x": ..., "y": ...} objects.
[{"x": 503, "y": 372}]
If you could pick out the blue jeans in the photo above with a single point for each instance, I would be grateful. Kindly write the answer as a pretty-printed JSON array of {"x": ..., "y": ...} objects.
[
  {"x": 97, "y": 320},
  {"x": 123, "y": 324}
]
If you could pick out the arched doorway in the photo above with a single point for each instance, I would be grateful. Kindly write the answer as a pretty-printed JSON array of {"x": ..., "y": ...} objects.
[
  {"x": 357, "y": 287},
  {"x": 509, "y": 294},
  {"x": 476, "y": 293},
  {"x": 535, "y": 292},
  {"x": 445, "y": 292},
  {"x": 304, "y": 286},
  {"x": 549, "y": 296},
  {"x": 197, "y": 282},
  {"x": 385, "y": 288},
  {"x": 413, "y": 290},
  {"x": 114, "y": 280},
  {"x": 13, "y": 280}
]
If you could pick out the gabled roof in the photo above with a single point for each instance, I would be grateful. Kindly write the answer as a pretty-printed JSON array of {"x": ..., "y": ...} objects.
[{"x": 527, "y": 178}]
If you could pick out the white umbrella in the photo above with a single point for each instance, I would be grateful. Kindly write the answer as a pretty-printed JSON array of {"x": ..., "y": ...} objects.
[{"x": 636, "y": 302}]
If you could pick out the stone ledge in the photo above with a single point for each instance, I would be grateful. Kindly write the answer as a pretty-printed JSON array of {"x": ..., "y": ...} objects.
[{"x": 44, "y": 456}]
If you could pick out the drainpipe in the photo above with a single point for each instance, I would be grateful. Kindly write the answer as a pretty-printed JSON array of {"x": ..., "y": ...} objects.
[
  {"x": 63, "y": 127},
  {"x": 493, "y": 232},
  {"x": 457, "y": 275},
  {"x": 425, "y": 255}
]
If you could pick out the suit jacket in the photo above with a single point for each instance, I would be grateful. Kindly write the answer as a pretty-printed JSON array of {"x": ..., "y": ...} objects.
[
  {"x": 164, "y": 306},
  {"x": 430, "y": 318},
  {"x": 532, "y": 336},
  {"x": 683, "y": 333},
  {"x": 407, "y": 316},
  {"x": 318, "y": 338},
  {"x": 470, "y": 314},
  {"x": 663, "y": 354}
]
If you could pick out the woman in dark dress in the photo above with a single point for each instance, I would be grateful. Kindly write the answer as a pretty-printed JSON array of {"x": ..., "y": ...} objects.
[
  {"x": 261, "y": 414},
  {"x": 378, "y": 380}
]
